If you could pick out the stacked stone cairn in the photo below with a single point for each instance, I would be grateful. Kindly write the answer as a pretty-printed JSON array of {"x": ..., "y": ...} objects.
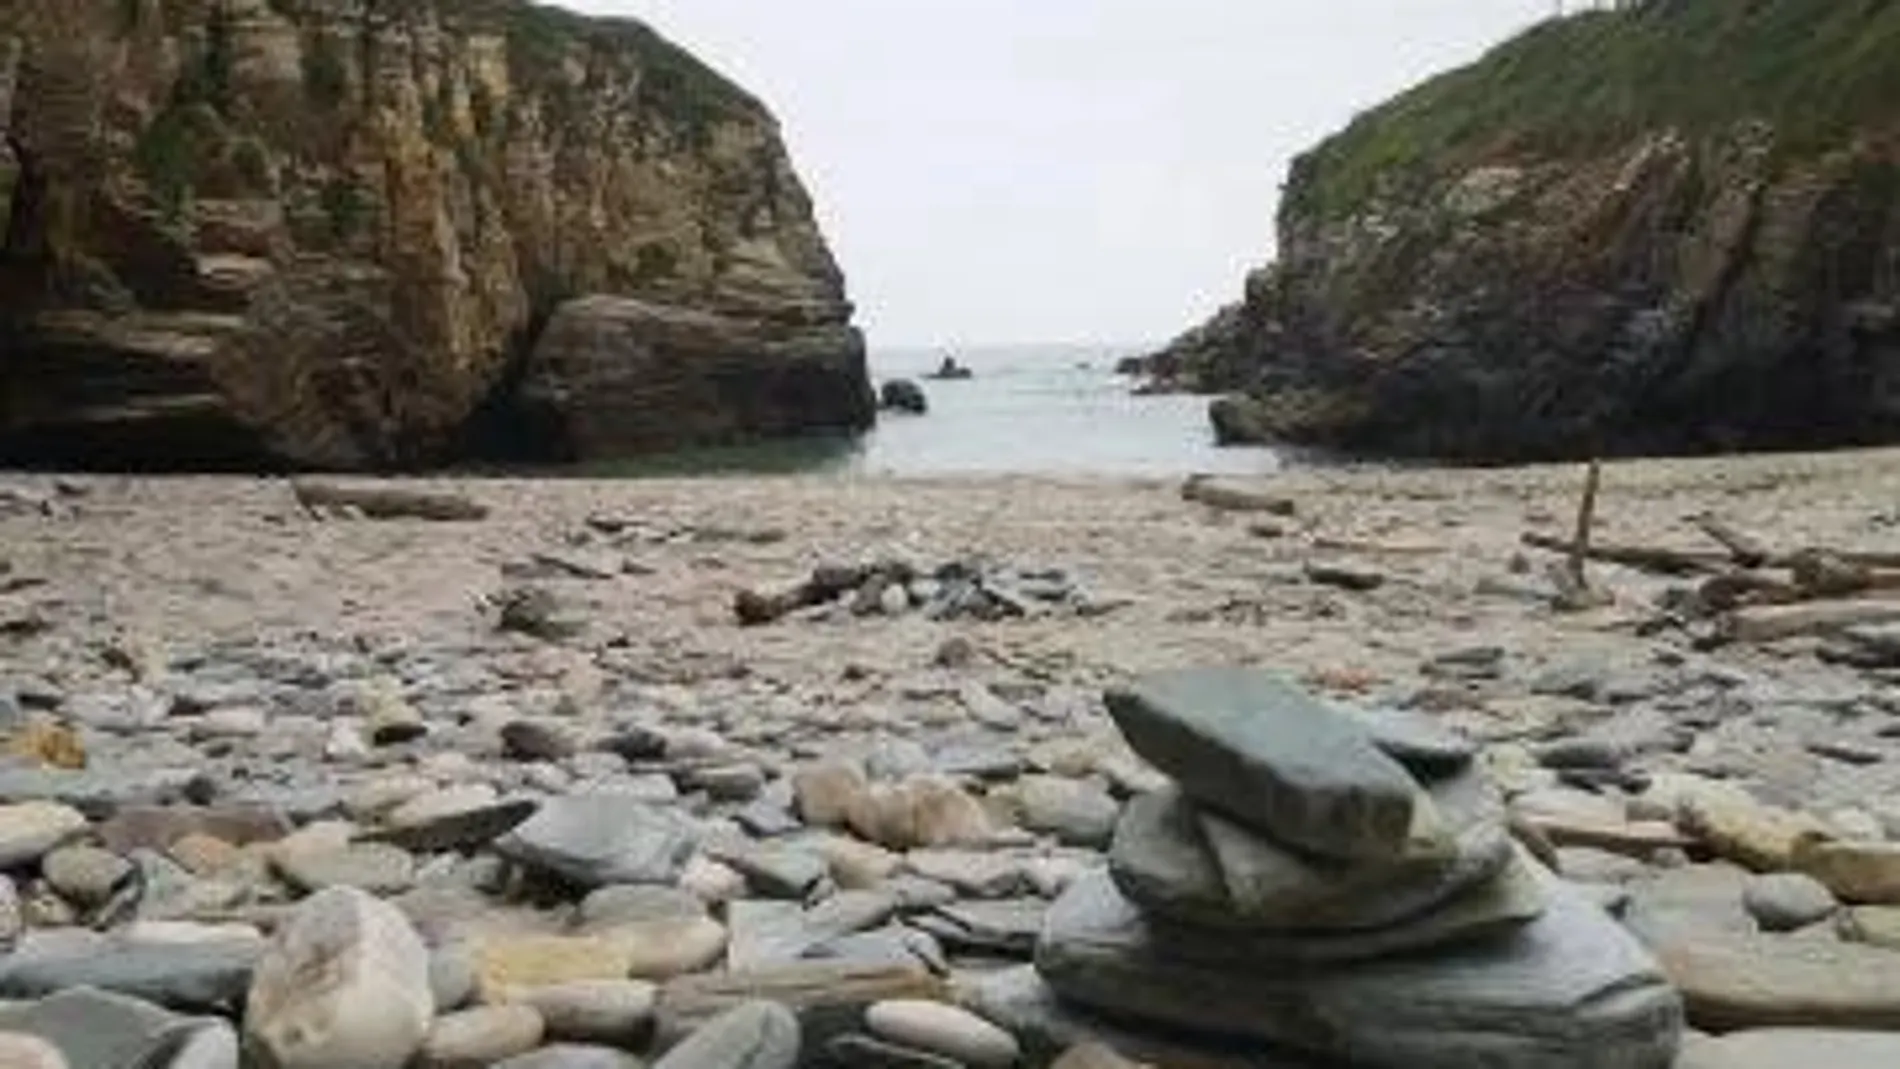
[{"x": 1341, "y": 885}]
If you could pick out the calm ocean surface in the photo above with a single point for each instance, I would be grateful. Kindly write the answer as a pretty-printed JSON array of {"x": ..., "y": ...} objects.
[{"x": 1032, "y": 410}]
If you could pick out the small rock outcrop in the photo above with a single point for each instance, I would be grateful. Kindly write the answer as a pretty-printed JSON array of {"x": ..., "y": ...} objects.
[
  {"x": 612, "y": 376},
  {"x": 903, "y": 395},
  {"x": 1604, "y": 238},
  {"x": 239, "y": 233}
]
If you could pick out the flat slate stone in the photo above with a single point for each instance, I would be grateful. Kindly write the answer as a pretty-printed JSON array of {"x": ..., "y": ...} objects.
[
  {"x": 594, "y": 840},
  {"x": 99, "y": 792},
  {"x": 1427, "y": 749},
  {"x": 464, "y": 829},
  {"x": 1742, "y": 981},
  {"x": 1005, "y": 928},
  {"x": 1792, "y": 1048},
  {"x": 1263, "y": 751},
  {"x": 813, "y": 988},
  {"x": 857, "y": 1051},
  {"x": 756, "y": 1035},
  {"x": 1511, "y": 899},
  {"x": 1191, "y": 866},
  {"x": 1020, "y": 1001},
  {"x": 101, "y": 1030},
  {"x": 572, "y": 1056},
  {"x": 1568, "y": 990},
  {"x": 184, "y": 976}
]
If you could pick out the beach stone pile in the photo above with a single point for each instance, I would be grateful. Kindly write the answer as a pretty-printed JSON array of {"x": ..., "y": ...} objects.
[
  {"x": 1341, "y": 885},
  {"x": 972, "y": 588}
]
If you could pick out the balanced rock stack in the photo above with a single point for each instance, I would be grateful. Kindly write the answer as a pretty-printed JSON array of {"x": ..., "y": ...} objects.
[{"x": 1341, "y": 885}]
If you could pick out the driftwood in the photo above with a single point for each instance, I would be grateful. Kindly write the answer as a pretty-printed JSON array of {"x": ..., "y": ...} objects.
[
  {"x": 1748, "y": 592},
  {"x": 1216, "y": 494},
  {"x": 1647, "y": 558},
  {"x": 1572, "y": 578},
  {"x": 1770, "y": 623},
  {"x": 1377, "y": 549},
  {"x": 1748, "y": 551},
  {"x": 387, "y": 502}
]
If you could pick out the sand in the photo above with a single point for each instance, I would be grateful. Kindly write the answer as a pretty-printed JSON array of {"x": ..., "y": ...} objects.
[{"x": 178, "y": 563}]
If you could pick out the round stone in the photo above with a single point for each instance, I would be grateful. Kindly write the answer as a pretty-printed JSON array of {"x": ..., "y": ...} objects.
[
  {"x": 451, "y": 977},
  {"x": 480, "y": 1037},
  {"x": 613, "y": 1012},
  {"x": 85, "y": 875},
  {"x": 374, "y": 867},
  {"x": 21, "y": 1051},
  {"x": 943, "y": 1029},
  {"x": 1785, "y": 901}
]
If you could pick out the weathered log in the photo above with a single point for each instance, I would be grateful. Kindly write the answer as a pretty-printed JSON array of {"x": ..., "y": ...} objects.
[
  {"x": 388, "y": 502},
  {"x": 1768, "y": 623},
  {"x": 1646, "y": 558},
  {"x": 1822, "y": 574},
  {"x": 1748, "y": 551},
  {"x": 1215, "y": 494}
]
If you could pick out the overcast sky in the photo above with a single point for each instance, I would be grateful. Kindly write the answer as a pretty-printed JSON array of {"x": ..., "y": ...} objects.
[{"x": 1061, "y": 170}]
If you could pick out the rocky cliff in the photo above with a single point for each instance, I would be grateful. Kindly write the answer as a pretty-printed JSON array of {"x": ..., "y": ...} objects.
[
  {"x": 1671, "y": 227},
  {"x": 327, "y": 232}
]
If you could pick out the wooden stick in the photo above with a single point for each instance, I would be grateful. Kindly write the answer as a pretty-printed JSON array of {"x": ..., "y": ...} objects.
[
  {"x": 1749, "y": 552},
  {"x": 1767, "y": 623},
  {"x": 1649, "y": 558},
  {"x": 1586, "y": 517},
  {"x": 387, "y": 503}
]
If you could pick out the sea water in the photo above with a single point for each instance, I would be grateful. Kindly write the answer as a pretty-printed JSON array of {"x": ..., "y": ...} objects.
[{"x": 1047, "y": 410}]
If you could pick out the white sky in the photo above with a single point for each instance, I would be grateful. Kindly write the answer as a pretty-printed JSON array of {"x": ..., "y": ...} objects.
[{"x": 1001, "y": 171}]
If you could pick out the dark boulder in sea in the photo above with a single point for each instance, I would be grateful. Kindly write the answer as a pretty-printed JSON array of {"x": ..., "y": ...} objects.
[{"x": 903, "y": 395}]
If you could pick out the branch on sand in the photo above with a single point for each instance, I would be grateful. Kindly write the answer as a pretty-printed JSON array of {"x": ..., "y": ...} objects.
[
  {"x": 386, "y": 502},
  {"x": 1747, "y": 591}
]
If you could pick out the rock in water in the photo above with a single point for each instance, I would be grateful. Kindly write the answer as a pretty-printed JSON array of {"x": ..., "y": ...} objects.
[
  {"x": 903, "y": 395},
  {"x": 1567, "y": 990},
  {"x": 594, "y": 840},
  {"x": 343, "y": 985},
  {"x": 756, "y": 1035},
  {"x": 1263, "y": 751}
]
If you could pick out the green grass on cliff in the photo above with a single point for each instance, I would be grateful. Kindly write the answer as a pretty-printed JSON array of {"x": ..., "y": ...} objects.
[
  {"x": 673, "y": 82},
  {"x": 1819, "y": 70}
]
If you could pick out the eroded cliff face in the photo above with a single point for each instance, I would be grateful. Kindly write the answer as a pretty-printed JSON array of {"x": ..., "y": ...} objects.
[
  {"x": 1639, "y": 287},
  {"x": 324, "y": 232}
]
